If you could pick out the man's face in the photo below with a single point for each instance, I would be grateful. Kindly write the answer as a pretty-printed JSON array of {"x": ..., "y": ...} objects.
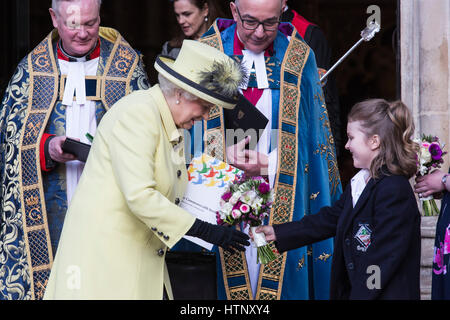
[
  {"x": 78, "y": 24},
  {"x": 251, "y": 12}
]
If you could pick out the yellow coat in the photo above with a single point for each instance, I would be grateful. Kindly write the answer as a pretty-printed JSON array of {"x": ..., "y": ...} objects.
[{"x": 123, "y": 214}]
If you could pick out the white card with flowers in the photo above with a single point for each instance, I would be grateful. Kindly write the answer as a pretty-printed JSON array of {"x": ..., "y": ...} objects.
[{"x": 208, "y": 178}]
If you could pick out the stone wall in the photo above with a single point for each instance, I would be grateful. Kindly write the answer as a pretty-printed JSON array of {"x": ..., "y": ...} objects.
[{"x": 424, "y": 27}]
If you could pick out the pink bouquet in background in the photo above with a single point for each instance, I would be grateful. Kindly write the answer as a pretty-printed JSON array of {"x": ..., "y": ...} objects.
[
  {"x": 248, "y": 201},
  {"x": 429, "y": 157}
]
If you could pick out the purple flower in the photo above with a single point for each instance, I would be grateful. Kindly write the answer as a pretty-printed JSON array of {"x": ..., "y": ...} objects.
[
  {"x": 218, "y": 219},
  {"x": 435, "y": 151},
  {"x": 226, "y": 196},
  {"x": 263, "y": 188},
  {"x": 237, "y": 206}
]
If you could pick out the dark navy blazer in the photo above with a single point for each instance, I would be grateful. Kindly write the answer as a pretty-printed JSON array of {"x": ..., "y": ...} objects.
[{"x": 377, "y": 243}]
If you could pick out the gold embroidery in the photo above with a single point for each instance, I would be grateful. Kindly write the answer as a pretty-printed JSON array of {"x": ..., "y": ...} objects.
[
  {"x": 41, "y": 289},
  {"x": 32, "y": 201},
  {"x": 301, "y": 263},
  {"x": 314, "y": 196},
  {"x": 324, "y": 257},
  {"x": 33, "y": 130},
  {"x": 42, "y": 64},
  {"x": 123, "y": 64},
  {"x": 125, "y": 54},
  {"x": 41, "y": 48}
]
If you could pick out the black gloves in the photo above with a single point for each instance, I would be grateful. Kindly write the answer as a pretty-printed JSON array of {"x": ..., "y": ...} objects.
[{"x": 225, "y": 237}]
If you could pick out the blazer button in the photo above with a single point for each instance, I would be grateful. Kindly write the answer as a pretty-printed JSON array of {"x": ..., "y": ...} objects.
[
  {"x": 160, "y": 252},
  {"x": 160, "y": 233},
  {"x": 166, "y": 238},
  {"x": 350, "y": 266},
  {"x": 177, "y": 201},
  {"x": 179, "y": 173},
  {"x": 154, "y": 229}
]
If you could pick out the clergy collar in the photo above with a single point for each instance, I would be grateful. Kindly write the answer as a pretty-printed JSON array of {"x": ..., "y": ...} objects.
[
  {"x": 239, "y": 46},
  {"x": 93, "y": 54}
]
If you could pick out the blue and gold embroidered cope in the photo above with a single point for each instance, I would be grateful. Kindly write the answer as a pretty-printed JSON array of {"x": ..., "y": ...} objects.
[
  {"x": 297, "y": 118},
  {"x": 32, "y": 95}
]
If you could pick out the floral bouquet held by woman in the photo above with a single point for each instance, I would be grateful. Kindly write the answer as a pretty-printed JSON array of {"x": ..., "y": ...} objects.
[
  {"x": 430, "y": 156},
  {"x": 248, "y": 201}
]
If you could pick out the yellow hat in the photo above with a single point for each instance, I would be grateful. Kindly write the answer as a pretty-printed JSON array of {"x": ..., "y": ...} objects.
[{"x": 204, "y": 72}]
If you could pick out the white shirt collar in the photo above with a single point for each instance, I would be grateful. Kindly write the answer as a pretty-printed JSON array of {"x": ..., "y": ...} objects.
[{"x": 358, "y": 183}]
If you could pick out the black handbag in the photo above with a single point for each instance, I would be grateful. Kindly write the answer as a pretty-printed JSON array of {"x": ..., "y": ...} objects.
[{"x": 193, "y": 275}]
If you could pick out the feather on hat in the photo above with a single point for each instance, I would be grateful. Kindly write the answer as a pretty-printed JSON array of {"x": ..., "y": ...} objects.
[{"x": 204, "y": 72}]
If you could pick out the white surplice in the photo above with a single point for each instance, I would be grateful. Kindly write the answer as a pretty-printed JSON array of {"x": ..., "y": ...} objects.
[
  {"x": 256, "y": 62},
  {"x": 80, "y": 112}
]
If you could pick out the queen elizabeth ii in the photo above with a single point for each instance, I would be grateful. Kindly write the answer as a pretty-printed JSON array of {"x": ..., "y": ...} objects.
[{"x": 125, "y": 214}]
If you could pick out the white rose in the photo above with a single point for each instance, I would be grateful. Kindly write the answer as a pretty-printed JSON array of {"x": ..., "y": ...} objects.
[
  {"x": 226, "y": 209},
  {"x": 423, "y": 170},
  {"x": 425, "y": 155}
]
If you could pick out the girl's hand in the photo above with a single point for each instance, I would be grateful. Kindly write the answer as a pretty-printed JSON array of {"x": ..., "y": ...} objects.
[{"x": 268, "y": 232}]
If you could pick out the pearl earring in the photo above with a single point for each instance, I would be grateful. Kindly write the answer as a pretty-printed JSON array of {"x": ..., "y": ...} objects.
[
  {"x": 206, "y": 19},
  {"x": 178, "y": 102}
]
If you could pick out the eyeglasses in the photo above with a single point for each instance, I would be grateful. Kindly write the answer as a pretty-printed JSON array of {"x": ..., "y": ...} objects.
[{"x": 253, "y": 24}]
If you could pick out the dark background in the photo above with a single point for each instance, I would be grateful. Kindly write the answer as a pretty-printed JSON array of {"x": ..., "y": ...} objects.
[{"x": 370, "y": 71}]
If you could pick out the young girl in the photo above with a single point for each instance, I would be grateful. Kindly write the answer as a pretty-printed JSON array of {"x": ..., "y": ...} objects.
[{"x": 376, "y": 222}]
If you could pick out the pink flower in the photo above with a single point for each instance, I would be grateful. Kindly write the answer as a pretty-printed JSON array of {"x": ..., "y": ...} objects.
[
  {"x": 218, "y": 219},
  {"x": 236, "y": 214},
  {"x": 244, "y": 208}
]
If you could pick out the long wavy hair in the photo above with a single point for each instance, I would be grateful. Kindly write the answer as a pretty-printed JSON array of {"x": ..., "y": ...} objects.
[{"x": 393, "y": 123}]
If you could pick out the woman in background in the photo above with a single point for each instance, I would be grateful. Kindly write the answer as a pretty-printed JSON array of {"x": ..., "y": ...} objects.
[
  {"x": 427, "y": 185},
  {"x": 194, "y": 18}
]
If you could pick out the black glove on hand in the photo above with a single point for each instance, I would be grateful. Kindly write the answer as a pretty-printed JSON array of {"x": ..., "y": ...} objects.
[{"x": 225, "y": 237}]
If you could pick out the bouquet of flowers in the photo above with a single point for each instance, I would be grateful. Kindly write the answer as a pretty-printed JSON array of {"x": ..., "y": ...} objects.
[
  {"x": 429, "y": 156},
  {"x": 248, "y": 201}
]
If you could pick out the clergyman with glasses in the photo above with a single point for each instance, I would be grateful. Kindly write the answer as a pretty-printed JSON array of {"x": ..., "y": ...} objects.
[{"x": 295, "y": 153}]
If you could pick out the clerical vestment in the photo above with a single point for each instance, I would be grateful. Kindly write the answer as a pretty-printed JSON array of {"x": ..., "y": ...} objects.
[
  {"x": 32, "y": 106},
  {"x": 307, "y": 176}
]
